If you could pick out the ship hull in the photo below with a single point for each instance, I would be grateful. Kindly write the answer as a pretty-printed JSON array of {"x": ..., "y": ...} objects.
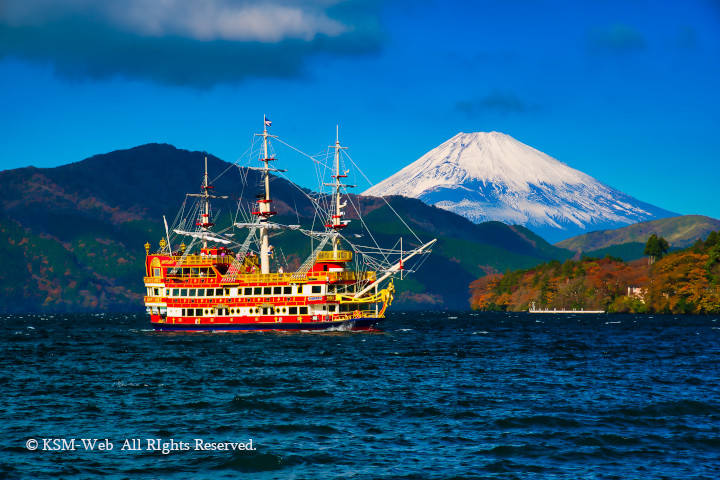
[{"x": 355, "y": 324}]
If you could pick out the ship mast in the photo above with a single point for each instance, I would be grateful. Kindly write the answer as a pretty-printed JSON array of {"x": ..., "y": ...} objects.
[
  {"x": 336, "y": 221},
  {"x": 263, "y": 210},
  {"x": 205, "y": 223}
]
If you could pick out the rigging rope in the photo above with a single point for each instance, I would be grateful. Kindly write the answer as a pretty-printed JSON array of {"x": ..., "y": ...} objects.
[
  {"x": 305, "y": 267},
  {"x": 182, "y": 259},
  {"x": 236, "y": 264},
  {"x": 384, "y": 199}
]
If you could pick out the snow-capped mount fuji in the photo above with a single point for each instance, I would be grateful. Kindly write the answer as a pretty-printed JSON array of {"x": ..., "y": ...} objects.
[{"x": 491, "y": 176}]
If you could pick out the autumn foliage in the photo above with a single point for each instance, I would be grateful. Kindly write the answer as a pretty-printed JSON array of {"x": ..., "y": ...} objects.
[{"x": 686, "y": 281}]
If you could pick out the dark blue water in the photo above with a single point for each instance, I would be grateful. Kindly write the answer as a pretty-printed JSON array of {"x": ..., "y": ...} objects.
[{"x": 435, "y": 396}]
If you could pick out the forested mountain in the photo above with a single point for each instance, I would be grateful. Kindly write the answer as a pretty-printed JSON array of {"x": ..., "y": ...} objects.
[
  {"x": 628, "y": 242},
  {"x": 72, "y": 237}
]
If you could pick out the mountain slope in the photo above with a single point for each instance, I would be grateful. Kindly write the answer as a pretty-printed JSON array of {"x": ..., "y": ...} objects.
[
  {"x": 491, "y": 176},
  {"x": 680, "y": 232},
  {"x": 72, "y": 237}
]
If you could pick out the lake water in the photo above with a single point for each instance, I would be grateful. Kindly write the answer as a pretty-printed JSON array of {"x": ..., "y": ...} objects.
[{"x": 432, "y": 396}]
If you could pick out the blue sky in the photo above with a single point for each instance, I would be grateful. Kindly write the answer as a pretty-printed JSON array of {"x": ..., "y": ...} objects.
[{"x": 626, "y": 91}]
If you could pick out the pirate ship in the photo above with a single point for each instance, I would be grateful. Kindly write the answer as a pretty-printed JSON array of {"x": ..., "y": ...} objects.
[{"x": 216, "y": 283}]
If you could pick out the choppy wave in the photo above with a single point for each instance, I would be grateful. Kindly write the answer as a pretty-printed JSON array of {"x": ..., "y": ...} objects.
[{"x": 436, "y": 396}]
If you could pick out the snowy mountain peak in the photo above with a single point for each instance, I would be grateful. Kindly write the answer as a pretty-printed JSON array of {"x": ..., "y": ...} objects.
[{"x": 491, "y": 176}]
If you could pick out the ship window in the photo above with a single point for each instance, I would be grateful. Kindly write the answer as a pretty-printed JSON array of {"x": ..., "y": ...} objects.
[
  {"x": 156, "y": 291},
  {"x": 227, "y": 291},
  {"x": 317, "y": 289},
  {"x": 247, "y": 291},
  {"x": 287, "y": 290},
  {"x": 267, "y": 291},
  {"x": 156, "y": 272},
  {"x": 293, "y": 310},
  {"x": 219, "y": 292},
  {"x": 183, "y": 292},
  {"x": 303, "y": 310},
  {"x": 182, "y": 312},
  {"x": 201, "y": 292},
  {"x": 277, "y": 290},
  {"x": 209, "y": 292},
  {"x": 194, "y": 272},
  {"x": 206, "y": 311},
  {"x": 331, "y": 308},
  {"x": 193, "y": 292},
  {"x": 176, "y": 292},
  {"x": 167, "y": 292},
  {"x": 257, "y": 291}
]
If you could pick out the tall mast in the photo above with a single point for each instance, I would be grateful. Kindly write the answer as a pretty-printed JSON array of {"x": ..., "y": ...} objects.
[
  {"x": 206, "y": 206},
  {"x": 204, "y": 221},
  {"x": 264, "y": 211},
  {"x": 336, "y": 221}
]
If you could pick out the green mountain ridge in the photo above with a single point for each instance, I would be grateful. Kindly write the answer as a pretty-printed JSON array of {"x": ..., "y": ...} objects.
[
  {"x": 73, "y": 236},
  {"x": 628, "y": 242}
]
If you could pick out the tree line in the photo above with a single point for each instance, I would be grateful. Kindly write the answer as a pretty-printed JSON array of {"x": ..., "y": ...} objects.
[{"x": 684, "y": 282}]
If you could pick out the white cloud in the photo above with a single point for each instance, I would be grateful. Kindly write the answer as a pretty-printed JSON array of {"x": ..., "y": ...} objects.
[{"x": 205, "y": 20}]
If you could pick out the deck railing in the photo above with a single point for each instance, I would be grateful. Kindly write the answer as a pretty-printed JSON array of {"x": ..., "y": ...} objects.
[
  {"x": 206, "y": 261},
  {"x": 339, "y": 256}
]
